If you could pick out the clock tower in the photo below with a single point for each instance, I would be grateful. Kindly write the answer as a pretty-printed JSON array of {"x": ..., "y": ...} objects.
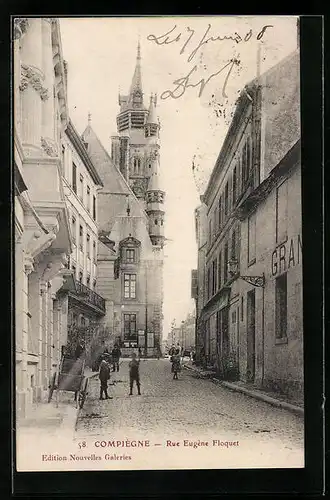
[{"x": 135, "y": 151}]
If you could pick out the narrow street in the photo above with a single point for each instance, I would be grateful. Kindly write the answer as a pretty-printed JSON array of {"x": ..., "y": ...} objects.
[{"x": 195, "y": 410}]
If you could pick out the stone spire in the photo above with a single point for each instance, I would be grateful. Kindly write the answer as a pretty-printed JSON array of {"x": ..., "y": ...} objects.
[
  {"x": 152, "y": 118},
  {"x": 136, "y": 85}
]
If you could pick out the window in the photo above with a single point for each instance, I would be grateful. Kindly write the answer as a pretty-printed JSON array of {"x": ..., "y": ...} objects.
[
  {"x": 282, "y": 212},
  {"x": 88, "y": 281},
  {"x": 219, "y": 270},
  {"x": 129, "y": 286},
  {"x": 251, "y": 238},
  {"x": 74, "y": 270},
  {"x": 130, "y": 255},
  {"x": 244, "y": 166},
  {"x": 94, "y": 284},
  {"x": 81, "y": 194},
  {"x": 234, "y": 185},
  {"x": 233, "y": 245},
  {"x": 226, "y": 207},
  {"x": 156, "y": 222},
  {"x": 210, "y": 231},
  {"x": 129, "y": 325},
  {"x": 225, "y": 263},
  {"x": 220, "y": 212},
  {"x": 74, "y": 226},
  {"x": 88, "y": 201},
  {"x": 88, "y": 246},
  {"x": 246, "y": 162},
  {"x": 94, "y": 207},
  {"x": 239, "y": 176},
  {"x": 214, "y": 277},
  {"x": 80, "y": 276},
  {"x": 209, "y": 283},
  {"x": 242, "y": 309},
  {"x": 81, "y": 234},
  {"x": 74, "y": 177},
  {"x": 94, "y": 251},
  {"x": 248, "y": 158},
  {"x": 63, "y": 160},
  {"x": 216, "y": 225},
  {"x": 281, "y": 306}
]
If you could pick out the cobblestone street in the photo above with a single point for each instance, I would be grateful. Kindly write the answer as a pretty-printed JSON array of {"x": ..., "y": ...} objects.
[{"x": 192, "y": 409}]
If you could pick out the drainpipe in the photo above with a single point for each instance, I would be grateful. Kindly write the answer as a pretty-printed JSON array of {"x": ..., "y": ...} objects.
[{"x": 263, "y": 336}]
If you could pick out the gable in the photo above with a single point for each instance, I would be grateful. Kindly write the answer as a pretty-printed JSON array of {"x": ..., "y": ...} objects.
[{"x": 113, "y": 197}]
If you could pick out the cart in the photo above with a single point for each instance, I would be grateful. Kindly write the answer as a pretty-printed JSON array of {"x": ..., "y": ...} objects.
[{"x": 70, "y": 377}]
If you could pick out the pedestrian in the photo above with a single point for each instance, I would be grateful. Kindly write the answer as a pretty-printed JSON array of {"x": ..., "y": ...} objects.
[
  {"x": 80, "y": 349},
  {"x": 140, "y": 352},
  {"x": 176, "y": 364},
  {"x": 104, "y": 376},
  {"x": 116, "y": 353},
  {"x": 134, "y": 374}
]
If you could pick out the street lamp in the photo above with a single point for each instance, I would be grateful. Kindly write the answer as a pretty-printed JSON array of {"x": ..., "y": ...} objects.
[{"x": 258, "y": 281}]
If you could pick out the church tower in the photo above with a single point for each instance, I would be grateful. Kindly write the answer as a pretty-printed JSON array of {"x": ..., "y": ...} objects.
[{"x": 135, "y": 151}]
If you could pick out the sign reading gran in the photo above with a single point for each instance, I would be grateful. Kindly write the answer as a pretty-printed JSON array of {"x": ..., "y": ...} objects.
[{"x": 286, "y": 255}]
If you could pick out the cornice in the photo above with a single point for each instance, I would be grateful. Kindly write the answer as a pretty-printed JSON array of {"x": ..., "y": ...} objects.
[{"x": 243, "y": 103}]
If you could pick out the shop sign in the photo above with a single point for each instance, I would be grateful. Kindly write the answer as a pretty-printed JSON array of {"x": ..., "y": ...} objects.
[{"x": 286, "y": 255}]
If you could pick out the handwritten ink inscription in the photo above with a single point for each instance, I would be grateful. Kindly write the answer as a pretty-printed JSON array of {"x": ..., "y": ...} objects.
[{"x": 181, "y": 84}]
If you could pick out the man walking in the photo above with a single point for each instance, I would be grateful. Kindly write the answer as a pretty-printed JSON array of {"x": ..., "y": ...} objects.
[
  {"x": 134, "y": 374},
  {"x": 104, "y": 376},
  {"x": 116, "y": 353}
]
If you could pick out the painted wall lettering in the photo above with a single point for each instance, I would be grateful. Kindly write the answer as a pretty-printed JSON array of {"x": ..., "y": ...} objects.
[{"x": 286, "y": 255}]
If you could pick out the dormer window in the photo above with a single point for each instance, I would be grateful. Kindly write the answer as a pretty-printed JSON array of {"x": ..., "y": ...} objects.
[
  {"x": 130, "y": 255},
  {"x": 129, "y": 250}
]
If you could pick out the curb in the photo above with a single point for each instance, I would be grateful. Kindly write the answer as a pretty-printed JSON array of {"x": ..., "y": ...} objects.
[
  {"x": 262, "y": 397},
  {"x": 201, "y": 374},
  {"x": 256, "y": 395}
]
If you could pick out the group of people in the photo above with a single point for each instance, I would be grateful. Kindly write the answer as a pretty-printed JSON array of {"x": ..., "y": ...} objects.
[
  {"x": 105, "y": 370},
  {"x": 134, "y": 370}
]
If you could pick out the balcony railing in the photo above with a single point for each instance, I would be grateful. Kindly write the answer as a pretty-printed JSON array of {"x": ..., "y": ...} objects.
[{"x": 90, "y": 296}]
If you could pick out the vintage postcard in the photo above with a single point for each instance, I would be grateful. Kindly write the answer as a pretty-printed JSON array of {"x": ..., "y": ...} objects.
[{"x": 158, "y": 244}]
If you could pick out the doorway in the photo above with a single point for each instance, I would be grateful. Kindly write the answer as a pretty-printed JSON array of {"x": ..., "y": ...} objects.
[{"x": 251, "y": 336}]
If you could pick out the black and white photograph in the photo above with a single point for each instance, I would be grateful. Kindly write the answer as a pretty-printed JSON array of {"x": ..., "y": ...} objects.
[{"x": 158, "y": 243}]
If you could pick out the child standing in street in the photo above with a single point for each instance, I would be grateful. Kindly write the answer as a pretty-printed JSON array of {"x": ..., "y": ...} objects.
[
  {"x": 134, "y": 374},
  {"x": 176, "y": 364},
  {"x": 104, "y": 376}
]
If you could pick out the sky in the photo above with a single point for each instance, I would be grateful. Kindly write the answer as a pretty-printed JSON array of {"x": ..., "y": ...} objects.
[{"x": 194, "y": 118}]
